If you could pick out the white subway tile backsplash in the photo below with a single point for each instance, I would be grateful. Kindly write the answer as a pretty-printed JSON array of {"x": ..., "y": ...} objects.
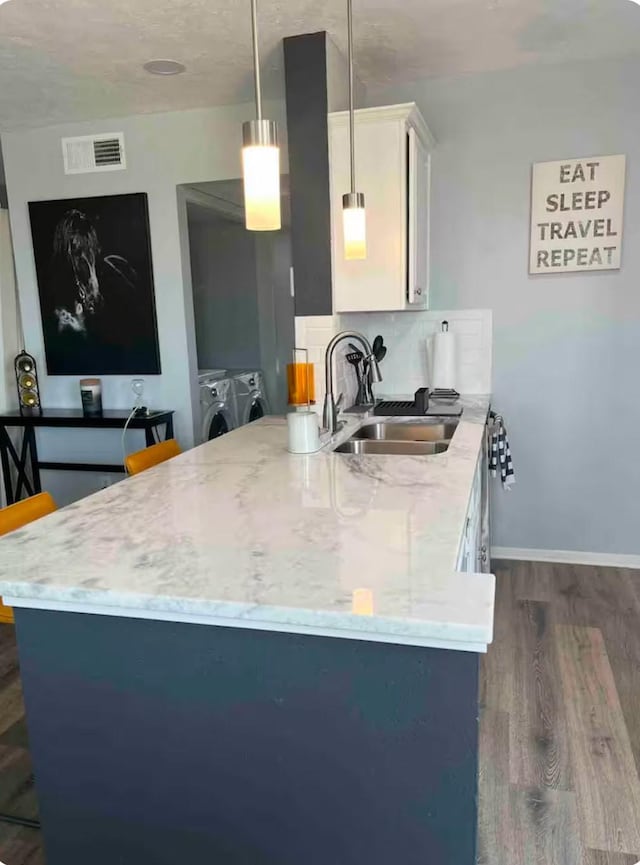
[
  {"x": 470, "y": 327},
  {"x": 315, "y": 333},
  {"x": 470, "y": 341},
  {"x": 408, "y": 337},
  {"x": 307, "y": 325}
]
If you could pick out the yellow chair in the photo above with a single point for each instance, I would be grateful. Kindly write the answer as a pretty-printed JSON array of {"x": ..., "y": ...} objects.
[
  {"x": 15, "y": 517},
  {"x": 151, "y": 456}
]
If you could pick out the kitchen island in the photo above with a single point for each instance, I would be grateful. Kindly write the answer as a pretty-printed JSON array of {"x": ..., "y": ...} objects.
[{"x": 245, "y": 656}]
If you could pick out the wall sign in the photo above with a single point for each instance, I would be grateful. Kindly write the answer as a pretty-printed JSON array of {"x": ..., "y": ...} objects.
[{"x": 577, "y": 208}]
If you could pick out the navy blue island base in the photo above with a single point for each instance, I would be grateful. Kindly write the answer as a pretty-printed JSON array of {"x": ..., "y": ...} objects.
[{"x": 156, "y": 743}]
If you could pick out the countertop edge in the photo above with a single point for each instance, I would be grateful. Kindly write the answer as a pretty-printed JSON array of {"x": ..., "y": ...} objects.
[{"x": 437, "y": 631}]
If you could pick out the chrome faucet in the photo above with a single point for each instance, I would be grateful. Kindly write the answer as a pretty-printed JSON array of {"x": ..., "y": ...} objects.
[{"x": 330, "y": 412}]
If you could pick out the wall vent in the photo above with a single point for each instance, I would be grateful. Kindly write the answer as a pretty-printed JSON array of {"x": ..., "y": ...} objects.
[{"x": 89, "y": 153}]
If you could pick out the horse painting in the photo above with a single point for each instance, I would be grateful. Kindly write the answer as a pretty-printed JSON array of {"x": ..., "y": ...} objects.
[{"x": 95, "y": 280}]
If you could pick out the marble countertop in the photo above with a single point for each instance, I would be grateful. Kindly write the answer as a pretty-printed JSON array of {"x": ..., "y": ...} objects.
[{"x": 240, "y": 533}]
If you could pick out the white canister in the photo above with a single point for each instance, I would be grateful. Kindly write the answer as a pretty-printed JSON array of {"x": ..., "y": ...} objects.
[
  {"x": 304, "y": 432},
  {"x": 91, "y": 395}
]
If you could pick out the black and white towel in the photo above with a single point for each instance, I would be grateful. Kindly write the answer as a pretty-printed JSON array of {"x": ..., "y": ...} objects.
[{"x": 500, "y": 453}]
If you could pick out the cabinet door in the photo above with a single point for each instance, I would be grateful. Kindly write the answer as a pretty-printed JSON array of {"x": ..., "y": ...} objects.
[
  {"x": 476, "y": 542},
  {"x": 485, "y": 506},
  {"x": 377, "y": 283},
  {"x": 476, "y": 518},
  {"x": 465, "y": 562},
  {"x": 418, "y": 191},
  {"x": 470, "y": 559},
  {"x": 473, "y": 560}
]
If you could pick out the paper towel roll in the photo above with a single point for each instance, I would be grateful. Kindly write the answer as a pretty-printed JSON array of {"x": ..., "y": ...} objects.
[{"x": 445, "y": 360}]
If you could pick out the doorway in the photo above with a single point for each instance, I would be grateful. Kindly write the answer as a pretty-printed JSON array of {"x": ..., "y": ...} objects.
[{"x": 241, "y": 281}]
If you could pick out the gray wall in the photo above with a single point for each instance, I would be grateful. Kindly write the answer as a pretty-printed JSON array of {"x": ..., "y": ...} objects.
[
  {"x": 225, "y": 294},
  {"x": 9, "y": 339},
  {"x": 567, "y": 348}
]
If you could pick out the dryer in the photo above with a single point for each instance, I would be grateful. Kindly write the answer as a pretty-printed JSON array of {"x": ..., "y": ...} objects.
[
  {"x": 251, "y": 396},
  {"x": 217, "y": 403},
  {"x": 205, "y": 375}
]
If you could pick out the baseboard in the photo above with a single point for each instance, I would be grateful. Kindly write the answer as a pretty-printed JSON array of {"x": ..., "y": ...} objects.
[{"x": 566, "y": 557}]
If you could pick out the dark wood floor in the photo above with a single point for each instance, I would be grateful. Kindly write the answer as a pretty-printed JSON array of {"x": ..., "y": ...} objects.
[
  {"x": 559, "y": 731},
  {"x": 560, "y": 718},
  {"x": 18, "y": 845}
]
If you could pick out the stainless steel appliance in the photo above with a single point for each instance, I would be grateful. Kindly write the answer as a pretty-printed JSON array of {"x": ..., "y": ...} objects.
[
  {"x": 251, "y": 396},
  {"x": 217, "y": 403}
]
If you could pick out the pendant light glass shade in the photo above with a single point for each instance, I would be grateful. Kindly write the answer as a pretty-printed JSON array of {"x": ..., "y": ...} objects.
[
  {"x": 354, "y": 219},
  {"x": 261, "y": 173},
  {"x": 354, "y": 225},
  {"x": 260, "y": 157}
]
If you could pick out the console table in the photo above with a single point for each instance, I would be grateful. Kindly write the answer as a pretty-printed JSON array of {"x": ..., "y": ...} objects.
[{"x": 24, "y": 461}]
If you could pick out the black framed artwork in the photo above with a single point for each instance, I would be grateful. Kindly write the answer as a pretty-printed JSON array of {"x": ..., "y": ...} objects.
[{"x": 95, "y": 280}]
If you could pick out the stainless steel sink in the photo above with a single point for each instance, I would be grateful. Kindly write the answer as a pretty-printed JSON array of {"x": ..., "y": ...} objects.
[
  {"x": 386, "y": 446},
  {"x": 408, "y": 432},
  {"x": 420, "y": 438}
]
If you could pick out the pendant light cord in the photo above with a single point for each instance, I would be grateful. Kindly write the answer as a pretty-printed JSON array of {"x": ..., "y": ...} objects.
[
  {"x": 351, "y": 111},
  {"x": 256, "y": 57}
]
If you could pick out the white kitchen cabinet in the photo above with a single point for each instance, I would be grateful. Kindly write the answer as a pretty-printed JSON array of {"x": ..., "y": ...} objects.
[
  {"x": 393, "y": 170},
  {"x": 474, "y": 556},
  {"x": 469, "y": 559}
]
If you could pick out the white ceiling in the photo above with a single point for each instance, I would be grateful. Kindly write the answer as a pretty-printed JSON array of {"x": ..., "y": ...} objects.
[{"x": 82, "y": 59}]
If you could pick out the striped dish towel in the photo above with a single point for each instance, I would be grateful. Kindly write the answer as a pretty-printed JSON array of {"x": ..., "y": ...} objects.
[{"x": 500, "y": 453}]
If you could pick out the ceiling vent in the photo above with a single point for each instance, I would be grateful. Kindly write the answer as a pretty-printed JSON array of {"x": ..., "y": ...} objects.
[{"x": 89, "y": 153}]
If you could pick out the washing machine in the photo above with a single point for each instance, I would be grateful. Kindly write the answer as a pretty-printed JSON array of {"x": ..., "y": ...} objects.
[
  {"x": 217, "y": 403},
  {"x": 205, "y": 375},
  {"x": 251, "y": 396}
]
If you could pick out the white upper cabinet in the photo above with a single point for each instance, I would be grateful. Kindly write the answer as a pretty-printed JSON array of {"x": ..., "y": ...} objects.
[{"x": 393, "y": 168}]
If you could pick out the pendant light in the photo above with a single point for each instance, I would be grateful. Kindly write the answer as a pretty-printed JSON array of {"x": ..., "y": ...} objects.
[
  {"x": 260, "y": 157},
  {"x": 353, "y": 212}
]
